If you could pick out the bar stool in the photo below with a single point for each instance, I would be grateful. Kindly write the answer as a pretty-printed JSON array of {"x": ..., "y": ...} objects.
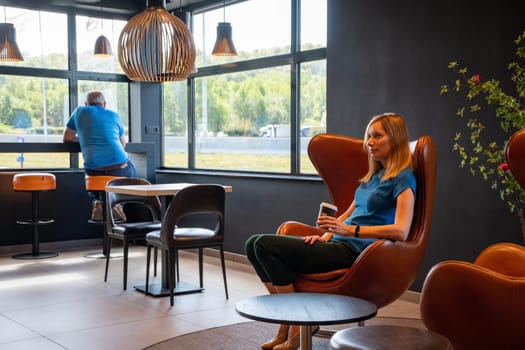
[
  {"x": 383, "y": 337},
  {"x": 35, "y": 183},
  {"x": 97, "y": 183}
]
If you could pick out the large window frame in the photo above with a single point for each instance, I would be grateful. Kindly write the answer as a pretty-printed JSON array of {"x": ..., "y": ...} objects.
[
  {"x": 71, "y": 74},
  {"x": 293, "y": 59}
]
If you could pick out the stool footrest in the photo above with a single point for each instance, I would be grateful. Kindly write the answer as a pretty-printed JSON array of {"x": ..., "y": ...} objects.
[{"x": 35, "y": 223}]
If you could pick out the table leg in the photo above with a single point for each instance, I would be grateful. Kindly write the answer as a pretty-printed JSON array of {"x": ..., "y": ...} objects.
[{"x": 306, "y": 337}]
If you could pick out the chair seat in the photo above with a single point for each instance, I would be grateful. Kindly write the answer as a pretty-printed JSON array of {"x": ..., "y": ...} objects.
[
  {"x": 386, "y": 338},
  {"x": 324, "y": 276},
  {"x": 34, "y": 182},
  {"x": 193, "y": 236},
  {"x": 128, "y": 229}
]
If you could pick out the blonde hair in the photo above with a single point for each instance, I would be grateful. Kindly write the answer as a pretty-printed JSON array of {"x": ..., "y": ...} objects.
[{"x": 400, "y": 156}]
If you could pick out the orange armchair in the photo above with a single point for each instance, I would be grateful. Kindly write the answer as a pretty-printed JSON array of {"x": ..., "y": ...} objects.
[
  {"x": 479, "y": 305},
  {"x": 385, "y": 269},
  {"x": 515, "y": 154}
]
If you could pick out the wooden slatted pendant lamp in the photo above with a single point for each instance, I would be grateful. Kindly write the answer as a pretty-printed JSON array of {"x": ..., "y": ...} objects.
[
  {"x": 8, "y": 47},
  {"x": 156, "y": 46}
]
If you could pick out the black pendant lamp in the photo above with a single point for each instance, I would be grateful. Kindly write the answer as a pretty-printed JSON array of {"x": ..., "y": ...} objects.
[
  {"x": 156, "y": 46},
  {"x": 8, "y": 48},
  {"x": 102, "y": 45},
  {"x": 224, "y": 43}
]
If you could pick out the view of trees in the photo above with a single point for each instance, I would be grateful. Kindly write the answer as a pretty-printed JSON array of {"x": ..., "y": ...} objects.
[{"x": 239, "y": 104}]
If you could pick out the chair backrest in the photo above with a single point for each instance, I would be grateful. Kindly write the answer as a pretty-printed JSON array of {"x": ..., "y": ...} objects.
[
  {"x": 515, "y": 154},
  {"x": 386, "y": 269},
  {"x": 340, "y": 161},
  {"x": 150, "y": 202},
  {"x": 194, "y": 200}
]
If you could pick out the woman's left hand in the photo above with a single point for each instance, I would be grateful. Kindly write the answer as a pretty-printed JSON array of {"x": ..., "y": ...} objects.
[{"x": 312, "y": 239}]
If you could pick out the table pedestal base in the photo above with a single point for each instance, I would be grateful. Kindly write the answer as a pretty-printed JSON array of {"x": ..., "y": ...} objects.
[
  {"x": 306, "y": 337},
  {"x": 157, "y": 290}
]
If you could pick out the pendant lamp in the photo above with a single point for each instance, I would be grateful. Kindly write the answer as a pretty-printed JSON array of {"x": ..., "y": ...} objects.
[
  {"x": 102, "y": 44},
  {"x": 102, "y": 47},
  {"x": 8, "y": 48},
  {"x": 224, "y": 43},
  {"x": 156, "y": 46}
]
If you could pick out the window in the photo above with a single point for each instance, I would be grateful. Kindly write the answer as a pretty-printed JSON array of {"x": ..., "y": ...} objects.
[
  {"x": 252, "y": 33},
  {"x": 256, "y": 111},
  {"x": 41, "y": 37},
  {"x": 175, "y": 112},
  {"x": 88, "y": 30},
  {"x": 36, "y": 96}
]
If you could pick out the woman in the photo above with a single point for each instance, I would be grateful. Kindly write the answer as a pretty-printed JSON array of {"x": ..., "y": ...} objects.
[{"x": 382, "y": 208}]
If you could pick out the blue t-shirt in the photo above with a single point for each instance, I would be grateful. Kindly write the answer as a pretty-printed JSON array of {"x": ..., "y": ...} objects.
[
  {"x": 99, "y": 131},
  {"x": 375, "y": 204}
]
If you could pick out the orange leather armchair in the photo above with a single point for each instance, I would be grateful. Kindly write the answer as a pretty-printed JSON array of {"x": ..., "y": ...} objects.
[
  {"x": 481, "y": 305},
  {"x": 515, "y": 153},
  {"x": 385, "y": 269}
]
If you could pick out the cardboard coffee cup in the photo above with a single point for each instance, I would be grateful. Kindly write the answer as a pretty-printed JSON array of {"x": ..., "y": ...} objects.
[{"x": 327, "y": 209}]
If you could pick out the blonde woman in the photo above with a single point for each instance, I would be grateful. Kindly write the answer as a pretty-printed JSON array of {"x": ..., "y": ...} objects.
[{"x": 382, "y": 208}]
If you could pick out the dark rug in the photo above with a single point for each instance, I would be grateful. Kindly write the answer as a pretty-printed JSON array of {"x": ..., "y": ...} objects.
[{"x": 250, "y": 335}]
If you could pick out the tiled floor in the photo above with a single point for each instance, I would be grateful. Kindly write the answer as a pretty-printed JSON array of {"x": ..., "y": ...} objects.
[{"x": 63, "y": 303}]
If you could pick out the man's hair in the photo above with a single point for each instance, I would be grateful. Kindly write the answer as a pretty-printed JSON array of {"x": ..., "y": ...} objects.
[{"x": 95, "y": 98}]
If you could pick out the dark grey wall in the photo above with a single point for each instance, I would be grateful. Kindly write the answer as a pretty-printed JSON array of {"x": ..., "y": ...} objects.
[{"x": 392, "y": 56}]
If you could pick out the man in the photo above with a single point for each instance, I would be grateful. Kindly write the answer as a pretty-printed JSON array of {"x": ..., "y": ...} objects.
[{"x": 101, "y": 136}]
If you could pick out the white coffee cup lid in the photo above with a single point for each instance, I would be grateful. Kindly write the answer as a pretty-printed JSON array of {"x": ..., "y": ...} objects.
[{"x": 329, "y": 205}]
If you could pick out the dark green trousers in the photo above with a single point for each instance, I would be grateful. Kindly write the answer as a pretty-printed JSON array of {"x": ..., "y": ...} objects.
[{"x": 277, "y": 259}]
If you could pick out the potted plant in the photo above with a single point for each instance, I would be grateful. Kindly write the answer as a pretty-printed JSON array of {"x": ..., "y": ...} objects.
[{"x": 484, "y": 99}]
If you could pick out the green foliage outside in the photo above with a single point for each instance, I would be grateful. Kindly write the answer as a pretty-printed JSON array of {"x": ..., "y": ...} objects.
[
  {"x": 239, "y": 104},
  {"x": 480, "y": 155}
]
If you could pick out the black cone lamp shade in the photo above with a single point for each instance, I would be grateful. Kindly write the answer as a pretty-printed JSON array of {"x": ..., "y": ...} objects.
[
  {"x": 102, "y": 47},
  {"x": 8, "y": 48},
  {"x": 224, "y": 44}
]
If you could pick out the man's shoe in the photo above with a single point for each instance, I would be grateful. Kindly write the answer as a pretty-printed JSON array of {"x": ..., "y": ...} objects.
[
  {"x": 118, "y": 213},
  {"x": 97, "y": 211}
]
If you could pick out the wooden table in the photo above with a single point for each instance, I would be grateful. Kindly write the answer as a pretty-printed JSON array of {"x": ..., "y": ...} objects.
[
  {"x": 306, "y": 310},
  {"x": 167, "y": 189}
]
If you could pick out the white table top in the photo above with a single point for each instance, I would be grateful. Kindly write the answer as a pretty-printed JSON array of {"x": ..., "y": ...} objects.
[{"x": 154, "y": 189}]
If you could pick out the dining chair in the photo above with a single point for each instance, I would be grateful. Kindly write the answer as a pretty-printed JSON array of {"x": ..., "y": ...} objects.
[
  {"x": 147, "y": 213},
  {"x": 194, "y": 219}
]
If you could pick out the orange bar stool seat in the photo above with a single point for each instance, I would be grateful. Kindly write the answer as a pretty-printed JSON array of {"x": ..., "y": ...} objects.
[
  {"x": 97, "y": 183},
  {"x": 35, "y": 183}
]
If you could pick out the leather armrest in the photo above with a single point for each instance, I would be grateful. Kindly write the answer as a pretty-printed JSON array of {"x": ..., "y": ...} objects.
[{"x": 295, "y": 228}]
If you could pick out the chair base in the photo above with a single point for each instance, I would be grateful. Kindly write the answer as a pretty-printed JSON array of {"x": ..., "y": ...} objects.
[
  {"x": 31, "y": 256},
  {"x": 157, "y": 290}
]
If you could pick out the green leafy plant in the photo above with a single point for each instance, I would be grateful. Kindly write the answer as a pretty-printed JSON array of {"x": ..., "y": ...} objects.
[{"x": 484, "y": 100}]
